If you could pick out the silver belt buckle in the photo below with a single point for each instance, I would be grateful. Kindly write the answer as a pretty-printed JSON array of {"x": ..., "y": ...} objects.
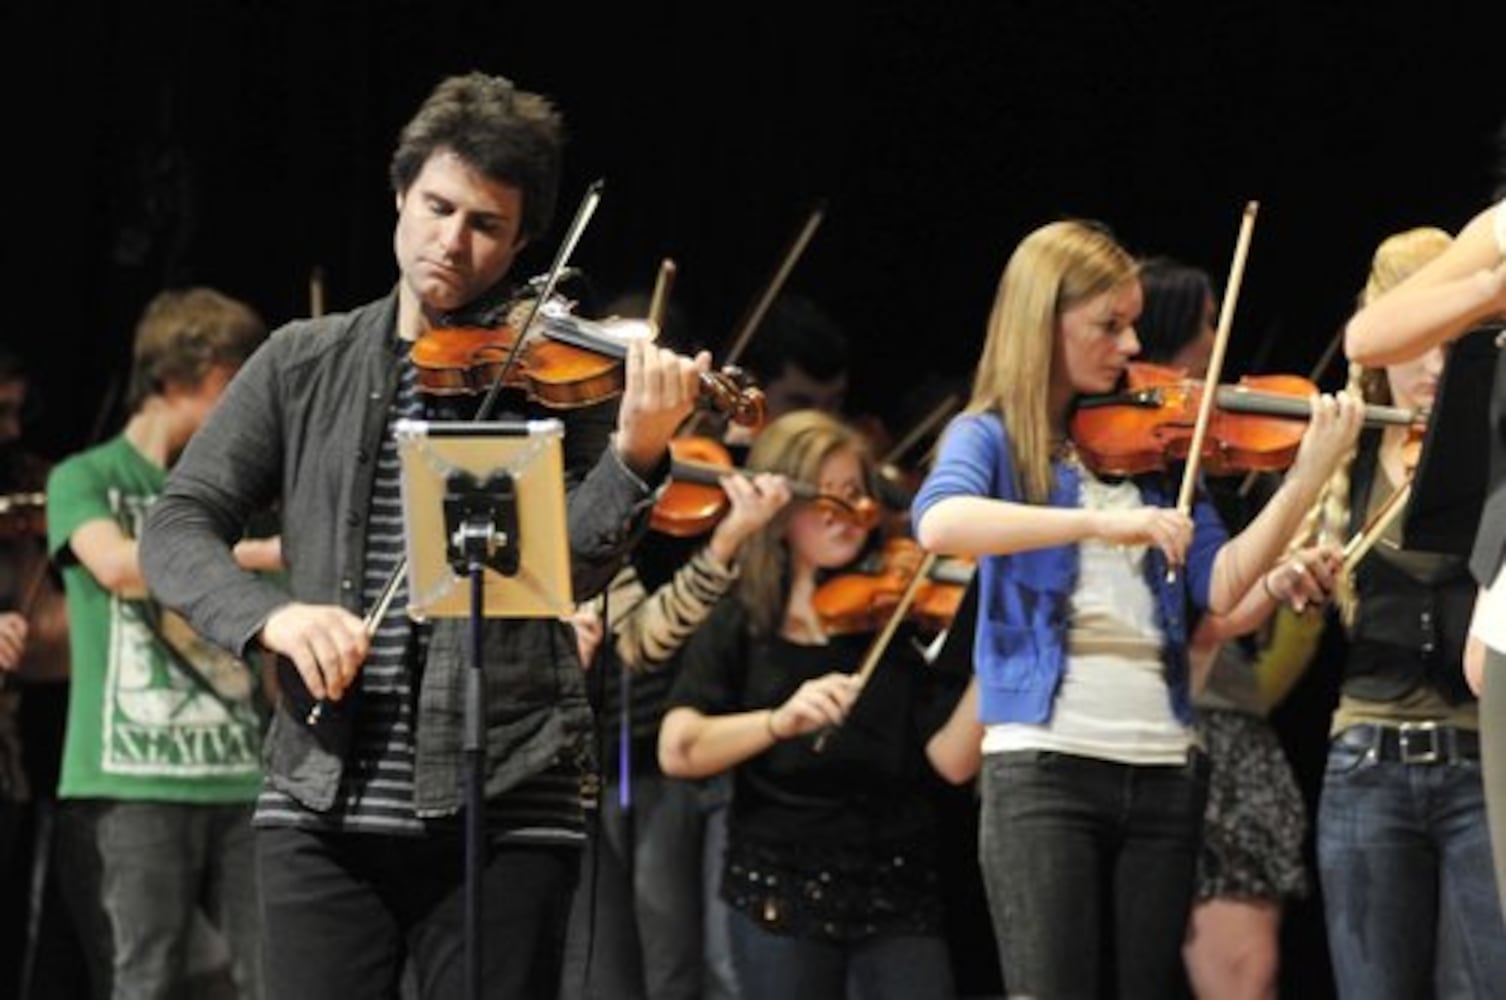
[{"x": 1420, "y": 742}]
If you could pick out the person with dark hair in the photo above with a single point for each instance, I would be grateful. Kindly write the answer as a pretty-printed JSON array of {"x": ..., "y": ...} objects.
[
  {"x": 359, "y": 838},
  {"x": 800, "y": 357},
  {"x": 162, "y": 752},
  {"x": 1255, "y": 824},
  {"x": 1177, "y": 327}
]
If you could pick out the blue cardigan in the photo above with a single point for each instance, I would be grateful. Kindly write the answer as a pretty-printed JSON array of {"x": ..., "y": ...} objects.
[{"x": 1019, "y": 651}]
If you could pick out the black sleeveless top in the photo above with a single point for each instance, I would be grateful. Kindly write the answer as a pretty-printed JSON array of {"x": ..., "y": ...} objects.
[{"x": 1413, "y": 610}]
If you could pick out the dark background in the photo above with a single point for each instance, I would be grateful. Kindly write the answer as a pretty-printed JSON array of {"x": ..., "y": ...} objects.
[{"x": 243, "y": 145}]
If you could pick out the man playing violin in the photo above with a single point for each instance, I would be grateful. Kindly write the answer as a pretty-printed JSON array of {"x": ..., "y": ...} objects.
[{"x": 358, "y": 833}]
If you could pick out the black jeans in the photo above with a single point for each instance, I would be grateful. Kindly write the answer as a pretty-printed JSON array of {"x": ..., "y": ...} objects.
[
  {"x": 342, "y": 912},
  {"x": 1089, "y": 868}
]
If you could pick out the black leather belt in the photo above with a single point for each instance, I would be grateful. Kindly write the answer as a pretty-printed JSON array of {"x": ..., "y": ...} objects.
[{"x": 1413, "y": 742}]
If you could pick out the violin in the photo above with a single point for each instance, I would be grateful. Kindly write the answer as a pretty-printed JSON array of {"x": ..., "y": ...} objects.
[
  {"x": 567, "y": 362},
  {"x": 1256, "y": 424},
  {"x": 693, "y": 501},
  {"x": 865, "y": 598},
  {"x": 23, "y": 515}
]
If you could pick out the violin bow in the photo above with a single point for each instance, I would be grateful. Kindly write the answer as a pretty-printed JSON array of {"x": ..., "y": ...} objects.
[
  {"x": 885, "y": 636},
  {"x": 583, "y": 215},
  {"x": 1365, "y": 539},
  {"x": 765, "y": 301},
  {"x": 659, "y": 303},
  {"x": 316, "y": 291},
  {"x": 1216, "y": 362},
  {"x": 940, "y": 412}
]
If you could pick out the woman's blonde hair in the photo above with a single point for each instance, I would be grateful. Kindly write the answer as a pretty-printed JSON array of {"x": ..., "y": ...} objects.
[
  {"x": 1396, "y": 258},
  {"x": 1057, "y": 267},
  {"x": 795, "y": 445}
]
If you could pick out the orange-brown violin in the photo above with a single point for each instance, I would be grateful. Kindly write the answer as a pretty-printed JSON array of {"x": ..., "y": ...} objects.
[
  {"x": 1256, "y": 425},
  {"x": 693, "y": 501}
]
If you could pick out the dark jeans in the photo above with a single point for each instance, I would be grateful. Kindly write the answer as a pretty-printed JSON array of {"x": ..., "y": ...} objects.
[
  {"x": 779, "y": 967},
  {"x": 162, "y": 862},
  {"x": 635, "y": 924},
  {"x": 1403, "y": 851},
  {"x": 74, "y": 954},
  {"x": 1089, "y": 868},
  {"x": 343, "y": 911}
]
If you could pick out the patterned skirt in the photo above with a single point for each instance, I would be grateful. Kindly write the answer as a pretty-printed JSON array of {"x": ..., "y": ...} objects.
[{"x": 1256, "y": 822}]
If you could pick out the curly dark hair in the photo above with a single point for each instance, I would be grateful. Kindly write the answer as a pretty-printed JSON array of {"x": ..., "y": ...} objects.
[{"x": 510, "y": 135}]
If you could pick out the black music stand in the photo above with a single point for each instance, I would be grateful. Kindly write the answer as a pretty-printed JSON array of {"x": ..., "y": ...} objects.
[
  {"x": 1448, "y": 490},
  {"x": 483, "y": 505}
]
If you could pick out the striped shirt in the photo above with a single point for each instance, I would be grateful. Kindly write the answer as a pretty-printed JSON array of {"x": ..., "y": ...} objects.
[
  {"x": 376, "y": 786},
  {"x": 648, "y": 632}
]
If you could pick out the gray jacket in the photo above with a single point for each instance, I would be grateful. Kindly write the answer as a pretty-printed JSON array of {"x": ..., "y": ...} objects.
[{"x": 299, "y": 427}]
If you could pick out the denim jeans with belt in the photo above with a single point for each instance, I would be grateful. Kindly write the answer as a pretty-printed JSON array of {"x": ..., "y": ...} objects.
[
  {"x": 1089, "y": 868},
  {"x": 1404, "y": 862}
]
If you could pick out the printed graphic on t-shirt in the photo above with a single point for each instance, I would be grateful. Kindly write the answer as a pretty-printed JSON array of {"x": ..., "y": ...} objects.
[{"x": 174, "y": 704}]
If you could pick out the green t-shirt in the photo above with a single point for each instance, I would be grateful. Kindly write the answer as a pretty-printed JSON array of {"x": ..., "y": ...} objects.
[{"x": 140, "y": 725}]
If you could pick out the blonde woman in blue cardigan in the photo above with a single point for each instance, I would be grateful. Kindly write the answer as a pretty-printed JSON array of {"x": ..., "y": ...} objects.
[{"x": 1093, "y": 785}]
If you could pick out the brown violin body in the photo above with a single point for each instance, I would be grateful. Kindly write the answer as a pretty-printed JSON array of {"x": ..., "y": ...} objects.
[
  {"x": 1256, "y": 425},
  {"x": 693, "y": 501},
  {"x": 568, "y": 362},
  {"x": 862, "y": 601},
  {"x": 687, "y": 508},
  {"x": 465, "y": 360}
]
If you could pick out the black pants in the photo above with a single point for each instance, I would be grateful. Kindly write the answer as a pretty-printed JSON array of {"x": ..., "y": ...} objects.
[{"x": 341, "y": 912}]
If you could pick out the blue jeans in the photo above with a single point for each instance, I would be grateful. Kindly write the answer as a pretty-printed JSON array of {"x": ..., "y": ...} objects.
[
  {"x": 160, "y": 862},
  {"x": 1089, "y": 868},
  {"x": 636, "y": 921},
  {"x": 1403, "y": 856},
  {"x": 717, "y": 916},
  {"x": 779, "y": 967}
]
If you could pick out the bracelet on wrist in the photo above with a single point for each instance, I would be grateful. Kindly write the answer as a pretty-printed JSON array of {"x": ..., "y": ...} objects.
[{"x": 769, "y": 724}]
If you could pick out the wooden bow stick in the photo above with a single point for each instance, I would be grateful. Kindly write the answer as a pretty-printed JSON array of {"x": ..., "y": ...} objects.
[
  {"x": 1216, "y": 363},
  {"x": 886, "y": 634},
  {"x": 761, "y": 307},
  {"x": 1364, "y": 540}
]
